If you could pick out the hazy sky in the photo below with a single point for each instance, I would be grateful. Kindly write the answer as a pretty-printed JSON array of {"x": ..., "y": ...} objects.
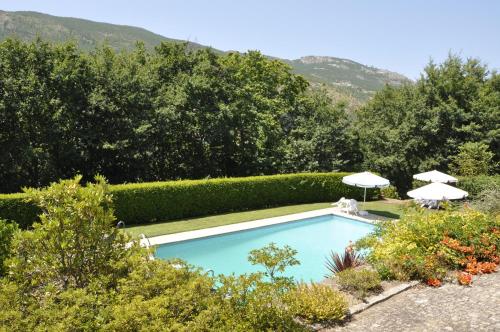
[{"x": 397, "y": 35}]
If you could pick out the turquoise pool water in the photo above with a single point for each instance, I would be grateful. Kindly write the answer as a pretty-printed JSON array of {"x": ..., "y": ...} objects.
[{"x": 313, "y": 238}]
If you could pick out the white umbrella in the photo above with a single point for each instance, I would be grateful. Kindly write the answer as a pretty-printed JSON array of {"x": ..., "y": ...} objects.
[
  {"x": 438, "y": 192},
  {"x": 435, "y": 176},
  {"x": 365, "y": 180}
]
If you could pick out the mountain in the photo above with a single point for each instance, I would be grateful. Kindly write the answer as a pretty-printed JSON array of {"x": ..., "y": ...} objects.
[
  {"x": 346, "y": 75},
  {"x": 88, "y": 34},
  {"x": 343, "y": 79}
]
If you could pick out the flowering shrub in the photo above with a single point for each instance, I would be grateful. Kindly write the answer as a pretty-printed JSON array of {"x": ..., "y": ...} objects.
[{"x": 426, "y": 245}]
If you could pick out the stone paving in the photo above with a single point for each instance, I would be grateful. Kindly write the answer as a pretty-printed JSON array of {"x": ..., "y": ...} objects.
[{"x": 448, "y": 308}]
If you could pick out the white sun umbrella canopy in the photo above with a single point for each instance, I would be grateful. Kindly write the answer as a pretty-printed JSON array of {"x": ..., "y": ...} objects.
[
  {"x": 435, "y": 176},
  {"x": 365, "y": 180},
  {"x": 438, "y": 192}
]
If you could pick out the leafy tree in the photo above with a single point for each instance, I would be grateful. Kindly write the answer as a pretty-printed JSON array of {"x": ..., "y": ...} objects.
[
  {"x": 163, "y": 114},
  {"x": 414, "y": 128},
  {"x": 320, "y": 136},
  {"x": 473, "y": 159}
]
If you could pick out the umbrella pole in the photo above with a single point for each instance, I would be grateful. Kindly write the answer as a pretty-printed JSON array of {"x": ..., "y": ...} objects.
[{"x": 364, "y": 197}]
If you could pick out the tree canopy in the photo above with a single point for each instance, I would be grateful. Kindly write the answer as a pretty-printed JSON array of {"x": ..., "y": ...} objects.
[
  {"x": 175, "y": 113},
  {"x": 418, "y": 127},
  {"x": 164, "y": 114}
]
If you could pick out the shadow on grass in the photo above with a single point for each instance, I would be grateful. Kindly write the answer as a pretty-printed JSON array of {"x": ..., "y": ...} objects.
[{"x": 386, "y": 214}]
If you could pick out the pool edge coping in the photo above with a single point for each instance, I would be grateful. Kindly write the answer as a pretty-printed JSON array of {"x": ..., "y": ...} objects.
[{"x": 247, "y": 225}]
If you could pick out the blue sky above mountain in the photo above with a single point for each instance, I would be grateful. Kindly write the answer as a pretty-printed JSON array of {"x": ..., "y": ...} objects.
[{"x": 397, "y": 35}]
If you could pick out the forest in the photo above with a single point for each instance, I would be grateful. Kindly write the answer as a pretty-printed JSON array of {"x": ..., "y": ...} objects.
[{"x": 177, "y": 113}]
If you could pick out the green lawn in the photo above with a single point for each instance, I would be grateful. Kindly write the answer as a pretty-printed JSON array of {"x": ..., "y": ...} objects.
[{"x": 382, "y": 208}]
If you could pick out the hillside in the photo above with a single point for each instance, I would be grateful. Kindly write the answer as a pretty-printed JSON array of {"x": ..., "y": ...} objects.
[
  {"x": 88, "y": 34},
  {"x": 344, "y": 79},
  {"x": 346, "y": 75}
]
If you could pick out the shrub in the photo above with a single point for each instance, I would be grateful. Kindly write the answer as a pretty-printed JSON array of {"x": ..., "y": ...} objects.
[
  {"x": 488, "y": 200},
  {"x": 317, "y": 303},
  {"x": 389, "y": 192},
  {"x": 360, "y": 282},
  {"x": 425, "y": 246},
  {"x": 474, "y": 185},
  {"x": 274, "y": 259},
  {"x": 7, "y": 231},
  {"x": 75, "y": 240},
  {"x": 336, "y": 263},
  {"x": 161, "y": 201}
]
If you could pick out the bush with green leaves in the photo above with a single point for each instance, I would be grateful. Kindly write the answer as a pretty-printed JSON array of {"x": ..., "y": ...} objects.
[
  {"x": 488, "y": 200},
  {"x": 75, "y": 240},
  {"x": 474, "y": 185},
  {"x": 317, "y": 303},
  {"x": 7, "y": 231},
  {"x": 389, "y": 192},
  {"x": 360, "y": 282},
  {"x": 423, "y": 245}
]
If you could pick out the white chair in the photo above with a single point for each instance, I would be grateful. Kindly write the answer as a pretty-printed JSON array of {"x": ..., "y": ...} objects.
[
  {"x": 341, "y": 203},
  {"x": 351, "y": 207}
]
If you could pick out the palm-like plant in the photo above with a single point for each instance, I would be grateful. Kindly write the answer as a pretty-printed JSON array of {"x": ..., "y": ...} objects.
[{"x": 349, "y": 259}]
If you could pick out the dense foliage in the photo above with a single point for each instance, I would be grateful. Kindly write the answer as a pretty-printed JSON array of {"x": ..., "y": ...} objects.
[
  {"x": 176, "y": 113},
  {"x": 74, "y": 271},
  {"x": 416, "y": 128},
  {"x": 161, "y": 201},
  {"x": 169, "y": 113},
  {"x": 423, "y": 245},
  {"x": 7, "y": 231},
  {"x": 474, "y": 185}
]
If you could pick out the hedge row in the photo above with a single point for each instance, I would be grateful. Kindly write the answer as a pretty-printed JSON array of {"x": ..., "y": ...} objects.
[
  {"x": 13, "y": 207},
  {"x": 161, "y": 201}
]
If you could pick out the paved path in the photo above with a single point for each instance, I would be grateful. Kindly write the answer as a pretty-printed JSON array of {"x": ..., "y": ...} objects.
[{"x": 448, "y": 308}]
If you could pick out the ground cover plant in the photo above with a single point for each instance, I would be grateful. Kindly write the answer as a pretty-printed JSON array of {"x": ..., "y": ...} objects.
[
  {"x": 359, "y": 281},
  {"x": 426, "y": 246}
]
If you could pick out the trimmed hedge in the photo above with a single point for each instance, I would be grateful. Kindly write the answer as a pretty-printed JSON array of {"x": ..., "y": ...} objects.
[
  {"x": 13, "y": 207},
  {"x": 143, "y": 203}
]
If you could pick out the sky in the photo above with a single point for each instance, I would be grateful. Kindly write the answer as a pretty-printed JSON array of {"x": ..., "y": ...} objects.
[{"x": 401, "y": 36}]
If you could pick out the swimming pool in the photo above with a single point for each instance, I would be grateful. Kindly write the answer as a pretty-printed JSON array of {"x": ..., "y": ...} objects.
[{"x": 313, "y": 238}]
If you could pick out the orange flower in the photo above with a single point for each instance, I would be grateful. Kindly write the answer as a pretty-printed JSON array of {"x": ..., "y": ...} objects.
[
  {"x": 434, "y": 282},
  {"x": 487, "y": 267},
  {"x": 464, "y": 278}
]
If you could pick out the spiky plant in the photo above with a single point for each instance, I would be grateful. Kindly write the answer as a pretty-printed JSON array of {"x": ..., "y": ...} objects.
[{"x": 349, "y": 259}]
